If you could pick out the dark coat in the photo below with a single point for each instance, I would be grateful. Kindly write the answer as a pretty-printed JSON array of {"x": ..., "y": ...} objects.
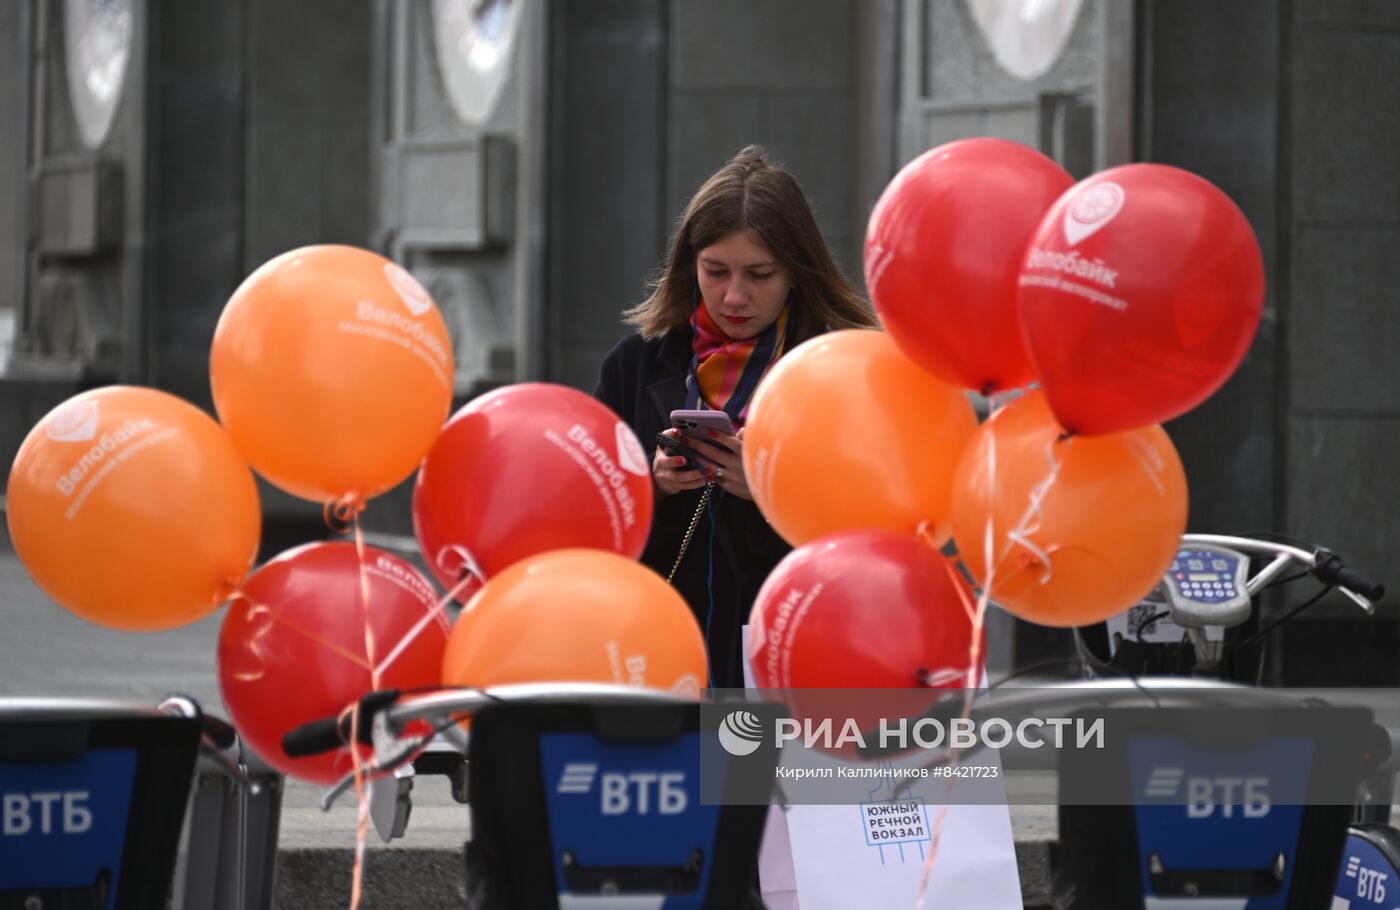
[{"x": 644, "y": 381}]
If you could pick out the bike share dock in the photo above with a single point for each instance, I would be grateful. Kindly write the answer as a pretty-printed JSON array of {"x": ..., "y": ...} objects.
[{"x": 48, "y": 651}]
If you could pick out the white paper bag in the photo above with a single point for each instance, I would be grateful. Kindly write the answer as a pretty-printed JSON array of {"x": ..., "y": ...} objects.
[
  {"x": 822, "y": 858},
  {"x": 829, "y": 865}
]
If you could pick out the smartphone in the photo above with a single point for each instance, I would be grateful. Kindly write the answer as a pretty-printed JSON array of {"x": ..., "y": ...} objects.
[
  {"x": 697, "y": 424},
  {"x": 675, "y": 447}
]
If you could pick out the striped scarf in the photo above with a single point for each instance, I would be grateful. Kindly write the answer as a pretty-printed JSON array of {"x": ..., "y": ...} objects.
[{"x": 724, "y": 372}]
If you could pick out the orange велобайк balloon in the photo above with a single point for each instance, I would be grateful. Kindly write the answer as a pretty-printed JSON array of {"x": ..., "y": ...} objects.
[
  {"x": 1104, "y": 533},
  {"x": 332, "y": 371},
  {"x": 132, "y": 509},
  {"x": 577, "y": 616},
  {"x": 847, "y": 433}
]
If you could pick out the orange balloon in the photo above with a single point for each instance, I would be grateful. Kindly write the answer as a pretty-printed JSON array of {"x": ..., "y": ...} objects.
[
  {"x": 847, "y": 433},
  {"x": 132, "y": 509},
  {"x": 1105, "y": 531},
  {"x": 577, "y": 615},
  {"x": 332, "y": 371}
]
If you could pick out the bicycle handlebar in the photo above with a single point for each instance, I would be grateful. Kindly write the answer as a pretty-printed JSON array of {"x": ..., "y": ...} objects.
[
  {"x": 316, "y": 737},
  {"x": 218, "y": 733},
  {"x": 1324, "y": 565},
  {"x": 330, "y": 733},
  {"x": 1330, "y": 570}
]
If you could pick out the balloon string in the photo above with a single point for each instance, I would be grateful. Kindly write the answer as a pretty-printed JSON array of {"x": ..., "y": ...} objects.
[
  {"x": 935, "y": 835},
  {"x": 1035, "y": 514},
  {"x": 1031, "y": 519},
  {"x": 974, "y": 657},
  {"x": 974, "y": 683},
  {"x": 989, "y": 532},
  {"x": 353, "y": 508},
  {"x": 978, "y": 615},
  {"x": 254, "y": 642},
  {"x": 467, "y": 579},
  {"x": 362, "y": 802},
  {"x": 364, "y": 601},
  {"x": 936, "y": 827},
  {"x": 924, "y": 534}
]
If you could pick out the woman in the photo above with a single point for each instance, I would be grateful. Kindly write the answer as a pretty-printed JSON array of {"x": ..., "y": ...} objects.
[{"x": 747, "y": 278}]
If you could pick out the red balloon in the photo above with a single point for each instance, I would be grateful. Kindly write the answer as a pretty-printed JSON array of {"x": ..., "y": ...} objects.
[
  {"x": 861, "y": 609},
  {"x": 1139, "y": 295},
  {"x": 942, "y": 252},
  {"x": 292, "y": 648},
  {"x": 527, "y": 469}
]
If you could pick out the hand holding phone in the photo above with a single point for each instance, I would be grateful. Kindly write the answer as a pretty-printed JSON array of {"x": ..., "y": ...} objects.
[{"x": 675, "y": 447}]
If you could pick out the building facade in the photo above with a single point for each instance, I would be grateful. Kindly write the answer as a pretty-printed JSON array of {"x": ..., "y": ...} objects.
[{"x": 527, "y": 159}]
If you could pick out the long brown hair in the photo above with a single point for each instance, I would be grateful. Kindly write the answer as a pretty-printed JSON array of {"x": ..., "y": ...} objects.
[{"x": 750, "y": 194}]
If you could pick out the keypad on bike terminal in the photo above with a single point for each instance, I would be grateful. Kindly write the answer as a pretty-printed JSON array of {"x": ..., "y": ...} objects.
[{"x": 1205, "y": 576}]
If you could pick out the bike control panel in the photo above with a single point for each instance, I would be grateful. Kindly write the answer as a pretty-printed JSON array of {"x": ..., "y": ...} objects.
[{"x": 1206, "y": 586}]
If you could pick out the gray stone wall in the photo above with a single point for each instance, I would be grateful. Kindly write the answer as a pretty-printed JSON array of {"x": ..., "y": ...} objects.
[
  {"x": 651, "y": 98},
  {"x": 606, "y": 218},
  {"x": 308, "y": 123},
  {"x": 1341, "y": 385},
  {"x": 195, "y": 189},
  {"x": 1293, "y": 110},
  {"x": 1343, "y": 307},
  {"x": 778, "y": 74},
  {"x": 13, "y": 156},
  {"x": 1209, "y": 103}
]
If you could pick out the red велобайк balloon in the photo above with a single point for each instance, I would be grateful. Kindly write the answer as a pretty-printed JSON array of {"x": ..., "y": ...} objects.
[
  {"x": 861, "y": 609},
  {"x": 1140, "y": 294},
  {"x": 856, "y": 611},
  {"x": 526, "y": 469},
  {"x": 943, "y": 251},
  {"x": 293, "y": 645}
]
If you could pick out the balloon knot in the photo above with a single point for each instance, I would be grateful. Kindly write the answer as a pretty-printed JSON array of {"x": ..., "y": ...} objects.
[
  {"x": 339, "y": 514},
  {"x": 455, "y": 560},
  {"x": 229, "y": 589}
]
